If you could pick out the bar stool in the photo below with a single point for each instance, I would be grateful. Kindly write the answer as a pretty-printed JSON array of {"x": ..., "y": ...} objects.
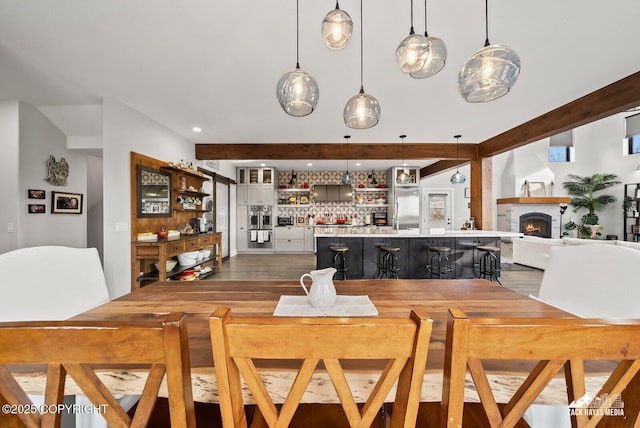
[
  {"x": 340, "y": 260},
  {"x": 489, "y": 262},
  {"x": 439, "y": 265},
  {"x": 388, "y": 262}
]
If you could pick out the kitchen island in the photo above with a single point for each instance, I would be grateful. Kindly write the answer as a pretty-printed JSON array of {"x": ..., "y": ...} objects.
[{"x": 414, "y": 254}]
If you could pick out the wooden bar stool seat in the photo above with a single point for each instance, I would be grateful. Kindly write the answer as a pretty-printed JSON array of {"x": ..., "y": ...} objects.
[
  {"x": 439, "y": 264},
  {"x": 490, "y": 263},
  {"x": 388, "y": 266},
  {"x": 340, "y": 260}
]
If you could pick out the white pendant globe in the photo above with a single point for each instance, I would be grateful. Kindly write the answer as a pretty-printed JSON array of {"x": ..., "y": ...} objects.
[
  {"x": 458, "y": 178},
  {"x": 362, "y": 111},
  {"x": 411, "y": 53},
  {"x": 435, "y": 59},
  {"x": 337, "y": 27},
  {"x": 298, "y": 92},
  {"x": 489, "y": 74}
]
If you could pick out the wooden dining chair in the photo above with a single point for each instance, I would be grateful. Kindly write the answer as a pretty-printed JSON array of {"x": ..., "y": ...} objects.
[
  {"x": 80, "y": 350},
  {"x": 554, "y": 343},
  {"x": 238, "y": 342}
]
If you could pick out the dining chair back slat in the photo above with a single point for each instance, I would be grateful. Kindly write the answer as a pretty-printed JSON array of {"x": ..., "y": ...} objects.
[
  {"x": 79, "y": 350},
  {"x": 556, "y": 344},
  {"x": 239, "y": 342}
]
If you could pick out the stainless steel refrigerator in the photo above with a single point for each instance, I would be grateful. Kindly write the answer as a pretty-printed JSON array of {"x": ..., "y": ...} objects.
[{"x": 406, "y": 208}]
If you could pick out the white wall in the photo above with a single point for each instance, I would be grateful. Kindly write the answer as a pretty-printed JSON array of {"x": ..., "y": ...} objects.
[
  {"x": 39, "y": 138},
  {"x": 9, "y": 172},
  {"x": 126, "y": 130},
  {"x": 461, "y": 211},
  {"x": 599, "y": 149}
]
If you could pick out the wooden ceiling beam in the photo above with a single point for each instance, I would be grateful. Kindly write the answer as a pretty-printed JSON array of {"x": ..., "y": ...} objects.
[
  {"x": 615, "y": 98},
  {"x": 440, "y": 166},
  {"x": 329, "y": 151}
]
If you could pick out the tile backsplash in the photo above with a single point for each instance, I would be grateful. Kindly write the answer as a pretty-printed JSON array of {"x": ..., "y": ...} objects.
[{"x": 353, "y": 211}]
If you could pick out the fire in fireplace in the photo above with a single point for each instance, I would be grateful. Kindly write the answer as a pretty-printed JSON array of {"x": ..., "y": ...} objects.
[{"x": 536, "y": 224}]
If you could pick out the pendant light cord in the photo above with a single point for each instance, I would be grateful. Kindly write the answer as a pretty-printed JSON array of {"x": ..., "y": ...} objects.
[
  {"x": 361, "y": 50},
  {"x": 486, "y": 22},
  {"x": 426, "y": 34},
  {"x": 411, "y": 31},
  {"x": 297, "y": 34}
]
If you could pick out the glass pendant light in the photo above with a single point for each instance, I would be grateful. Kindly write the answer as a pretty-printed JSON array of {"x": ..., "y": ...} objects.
[
  {"x": 490, "y": 73},
  {"x": 412, "y": 51},
  {"x": 297, "y": 90},
  {"x": 436, "y": 56},
  {"x": 403, "y": 177},
  {"x": 337, "y": 27},
  {"x": 458, "y": 177},
  {"x": 362, "y": 111},
  {"x": 347, "y": 177}
]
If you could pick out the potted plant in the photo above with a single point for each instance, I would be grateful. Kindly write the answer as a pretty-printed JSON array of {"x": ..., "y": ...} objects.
[{"x": 582, "y": 190}]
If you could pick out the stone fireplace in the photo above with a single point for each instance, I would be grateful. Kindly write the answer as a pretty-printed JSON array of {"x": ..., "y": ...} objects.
[
  {"x": 536, "y": 224},
  {"x": 533, "y": 216}
]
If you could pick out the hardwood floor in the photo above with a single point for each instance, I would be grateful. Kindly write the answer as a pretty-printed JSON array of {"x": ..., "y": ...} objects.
[{"x": 292, "y": 266}]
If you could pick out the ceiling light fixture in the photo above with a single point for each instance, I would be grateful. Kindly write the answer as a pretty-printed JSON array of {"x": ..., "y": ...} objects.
[
  {"x": 297, "y": 90},
  {"x": 489, "y": 73},
  {"x": 458, "y": 177},
  {"x": 196, "y": 129},
  {"x": 362, "y": 111},
  {"x": 337, "y": 27},
  {"x": 436, "y": 56},
  {"x": 412, "y": 50},
  {"x": 403, "y": 177},
  {"x": 347, "y": 177}
]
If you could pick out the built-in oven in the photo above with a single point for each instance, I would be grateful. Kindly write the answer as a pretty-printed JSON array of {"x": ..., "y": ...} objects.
[{"x": 260, "y": 227}]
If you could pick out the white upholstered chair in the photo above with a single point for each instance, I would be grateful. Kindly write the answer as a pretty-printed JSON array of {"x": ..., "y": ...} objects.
[
  {"x": 589, "y": 281},
  {"x": 53, "y": 283},
  {"x": 50, "y": 283},
  {"x": 593, "y": 281}
]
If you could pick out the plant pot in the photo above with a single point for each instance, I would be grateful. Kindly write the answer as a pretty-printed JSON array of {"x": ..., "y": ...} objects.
[{"x": 594, "y": 230}]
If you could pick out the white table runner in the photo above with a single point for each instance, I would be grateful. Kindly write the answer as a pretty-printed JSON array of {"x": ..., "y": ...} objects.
[{"x": 345, "y": 306}]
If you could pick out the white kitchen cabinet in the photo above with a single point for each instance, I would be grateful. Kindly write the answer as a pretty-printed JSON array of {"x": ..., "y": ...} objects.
[
  {"x": 309, "y": 239},
  {"x": 243, "y": 232},
  {"x": 260, "y": 195},
  {"x": 289, "y": 239}
]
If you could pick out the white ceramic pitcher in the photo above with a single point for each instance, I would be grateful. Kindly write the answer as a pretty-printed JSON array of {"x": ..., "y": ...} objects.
[{"x": 322, "y": 292}]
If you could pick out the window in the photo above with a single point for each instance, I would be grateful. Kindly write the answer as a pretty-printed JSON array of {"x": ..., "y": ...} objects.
[{"x": 561, "y": 147}]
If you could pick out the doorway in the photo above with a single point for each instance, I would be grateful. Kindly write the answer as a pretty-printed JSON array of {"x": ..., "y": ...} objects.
[{"x": 437, "y": 209}]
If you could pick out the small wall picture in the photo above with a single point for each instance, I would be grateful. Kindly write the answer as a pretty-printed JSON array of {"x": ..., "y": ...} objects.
[
  {"x": 66, "y": 203},
  {"x": 36, "y": 194},
  {"x": 37, "y": 209}
]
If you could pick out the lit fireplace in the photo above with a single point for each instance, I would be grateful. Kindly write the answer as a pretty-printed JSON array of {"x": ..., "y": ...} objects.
[{"x": 536, "y": 224}]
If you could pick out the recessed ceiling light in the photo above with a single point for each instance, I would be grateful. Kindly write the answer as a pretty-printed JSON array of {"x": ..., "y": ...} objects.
[
  {"x": 263, "y": 164},
  {"x": 358, "y": 164},
  {"x": 196, "y": 129},
  {"x": 309, "y": 164}
]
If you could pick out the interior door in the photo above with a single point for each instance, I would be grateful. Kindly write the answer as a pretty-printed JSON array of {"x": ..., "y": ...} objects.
[
  {"x": 436, "y": 209},
  {"x": 222, "y": 215}
]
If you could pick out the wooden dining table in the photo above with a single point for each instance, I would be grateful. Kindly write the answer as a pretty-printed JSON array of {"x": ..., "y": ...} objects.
[{"x": 392, "y": 298}]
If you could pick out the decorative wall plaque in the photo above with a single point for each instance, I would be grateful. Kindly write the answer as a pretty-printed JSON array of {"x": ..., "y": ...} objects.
[{"x": 58, "y": 171}]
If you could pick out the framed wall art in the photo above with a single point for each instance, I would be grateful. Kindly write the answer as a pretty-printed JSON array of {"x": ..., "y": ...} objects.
[
  {"x": 66, "y": 203},
  {"x": 36, "y": 194},
  {"x": 37, "y": 209}
]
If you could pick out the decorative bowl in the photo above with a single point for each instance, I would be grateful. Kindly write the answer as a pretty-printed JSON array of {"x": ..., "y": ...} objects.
[
  {"x": 170, "y": 264},
  {"x": 188, "y": 258}
]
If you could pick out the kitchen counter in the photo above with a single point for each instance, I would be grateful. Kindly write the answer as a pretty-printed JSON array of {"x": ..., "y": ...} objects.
[
  {"x": 372, "y": 231},
  {"x": 414, "y": 255}
]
